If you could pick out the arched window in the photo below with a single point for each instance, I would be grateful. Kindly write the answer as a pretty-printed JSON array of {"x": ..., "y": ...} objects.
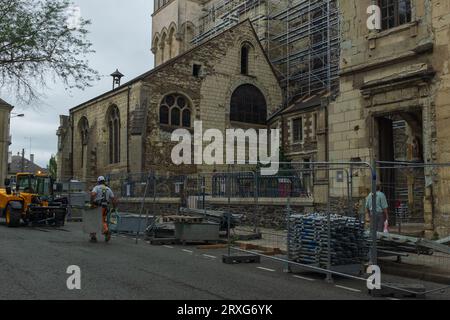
[
  {"x": 248, "y": 105},
  {"x": 172, "y": 42},
  {"x": 156, "y": 48},
  {"x": 245, "y": 52},
  {"x": 83, "y": 127},
  {"x": 164, "y": 115},
  {"x": 175, "y": 110},
  {"x": 175, "y": 117},
  {"x": 114, "y": 135},
  {"x": 163, "y": 47},
  {"x": 186, "y": 118},
  {"x": 84, "y": 130}
]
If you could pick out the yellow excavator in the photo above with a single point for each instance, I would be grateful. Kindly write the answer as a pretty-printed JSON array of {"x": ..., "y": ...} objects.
[{"x": 31, "y": 201}]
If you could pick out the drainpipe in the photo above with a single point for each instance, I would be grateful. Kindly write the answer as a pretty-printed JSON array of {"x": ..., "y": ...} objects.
[
  {"x": 327, "y": 145},
  {"x": 128, "y": 129},
  {"x": 71, "y": 145}
]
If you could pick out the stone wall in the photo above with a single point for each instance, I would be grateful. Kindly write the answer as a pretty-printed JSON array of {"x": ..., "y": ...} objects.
[
  {"x": 266, "y": 216},
  {"x": 161, "y": 209},
  {"x": 263, "y": 215},
  {"x": 64, "y": 158},
  {"x": 437, "y": 197},
  {"x": 271, "y": 217}
]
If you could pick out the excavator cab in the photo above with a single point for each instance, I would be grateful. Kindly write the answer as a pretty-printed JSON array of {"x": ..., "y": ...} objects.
[
  {"x": 44, "y": 186},
  {"x": 25, "y": 183}
]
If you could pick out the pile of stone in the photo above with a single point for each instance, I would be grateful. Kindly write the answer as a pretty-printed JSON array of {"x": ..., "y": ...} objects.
[{"x": 308, "y": 240}]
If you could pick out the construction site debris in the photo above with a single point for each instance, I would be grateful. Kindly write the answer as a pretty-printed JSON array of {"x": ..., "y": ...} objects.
[{"x": 214, "y": 216}]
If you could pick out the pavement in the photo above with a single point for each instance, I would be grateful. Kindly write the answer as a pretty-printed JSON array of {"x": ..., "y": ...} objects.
[
  {"x": 34, "y": 261},
  {"x": 427, "y": 268}
]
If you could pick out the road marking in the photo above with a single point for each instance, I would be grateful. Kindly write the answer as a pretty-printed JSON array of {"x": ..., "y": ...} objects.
[
  {"x": 304, "y": 278},
  {"x": 266, "y": 269},
  {"x": 188, "y": 251},
  {"x": 169, "y": 247},
  {"x": 347, "y": 288},
  {"x": 208, "y": 256},
  {"x": 393, "y": 299}
]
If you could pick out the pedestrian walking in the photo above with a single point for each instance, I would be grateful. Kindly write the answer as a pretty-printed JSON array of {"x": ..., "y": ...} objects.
[
  {"x": 103, "y": 197},
  {"x": 381, "y": 211}
]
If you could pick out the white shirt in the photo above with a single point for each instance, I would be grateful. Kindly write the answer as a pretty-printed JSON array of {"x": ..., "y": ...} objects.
[{"x": 99, "y": 190}]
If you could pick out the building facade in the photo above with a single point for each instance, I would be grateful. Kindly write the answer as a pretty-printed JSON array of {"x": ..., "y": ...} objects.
[
  {"x": 300, "y": 37},
  {"x": 173, "y": 27},
  {"x": 394, "y": 104},
  {"x": 5, "y": 138},
  {"x": 304, "y": 140},
  {"x": 128, "y": 130}
]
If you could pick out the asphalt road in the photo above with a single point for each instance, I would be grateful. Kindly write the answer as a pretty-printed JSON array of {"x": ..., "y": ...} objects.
[{"x": 33, "y": 265}]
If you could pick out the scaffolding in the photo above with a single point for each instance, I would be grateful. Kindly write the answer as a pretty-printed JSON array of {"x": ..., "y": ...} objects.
[
  {"x": 300, "y": 37},
  {"x": 220, "y": 15}
]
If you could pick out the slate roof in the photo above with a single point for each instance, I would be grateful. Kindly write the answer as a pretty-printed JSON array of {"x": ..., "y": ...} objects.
[{"x": 16, "y": 166}]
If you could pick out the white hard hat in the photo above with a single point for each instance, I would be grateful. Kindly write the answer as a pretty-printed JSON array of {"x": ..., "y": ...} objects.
[{"x": 101, "y": 179}]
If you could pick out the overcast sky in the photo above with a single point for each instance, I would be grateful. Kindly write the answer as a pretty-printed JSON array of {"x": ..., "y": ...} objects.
[{"x": 121, "y": 36}]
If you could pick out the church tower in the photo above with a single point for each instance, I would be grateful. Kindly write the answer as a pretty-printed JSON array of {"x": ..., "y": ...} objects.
[{"x": 173, "y": 27}]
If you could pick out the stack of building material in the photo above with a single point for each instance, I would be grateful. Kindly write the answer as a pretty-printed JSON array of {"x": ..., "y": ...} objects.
[
  {"x": 215, "y": 216},
  {"x": 405, "y": 244},
  {"x": 308, "y": 240}
]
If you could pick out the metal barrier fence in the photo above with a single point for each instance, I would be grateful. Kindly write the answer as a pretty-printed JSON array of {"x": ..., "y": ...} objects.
[
  {"x": 313, "y": 230},
  {"x": 332, "y": 240},
  {"x": 418, "y": 223},
  {"x": 311, "y": 216}
]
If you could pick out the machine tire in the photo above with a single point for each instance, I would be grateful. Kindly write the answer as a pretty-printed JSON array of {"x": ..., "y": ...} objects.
[{"x": 13, "y": 217}]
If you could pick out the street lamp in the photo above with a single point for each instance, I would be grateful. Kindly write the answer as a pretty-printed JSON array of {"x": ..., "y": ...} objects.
[{"x": 17, "y": 115}]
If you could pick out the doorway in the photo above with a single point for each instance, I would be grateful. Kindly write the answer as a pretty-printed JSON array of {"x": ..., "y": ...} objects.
[{"x": 399, "y": 142}]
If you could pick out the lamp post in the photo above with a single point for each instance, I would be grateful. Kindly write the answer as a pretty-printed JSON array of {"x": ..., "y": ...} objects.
[{"x": 17, "y": 115}]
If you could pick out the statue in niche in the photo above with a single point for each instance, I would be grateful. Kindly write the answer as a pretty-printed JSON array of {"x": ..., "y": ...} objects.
[{"x": 416, "y": 152}]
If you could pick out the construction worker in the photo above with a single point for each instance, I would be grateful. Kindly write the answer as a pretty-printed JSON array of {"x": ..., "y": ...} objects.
[{"x": 102, "y": 196}]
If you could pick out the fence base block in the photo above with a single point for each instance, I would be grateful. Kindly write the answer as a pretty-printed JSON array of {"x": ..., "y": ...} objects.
[
  {"x": 249, "y": 237},
  {"x": 397, "y": 291},
  {"x": 162, "y": 241},
  {"x": 234, "y": 259}
]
